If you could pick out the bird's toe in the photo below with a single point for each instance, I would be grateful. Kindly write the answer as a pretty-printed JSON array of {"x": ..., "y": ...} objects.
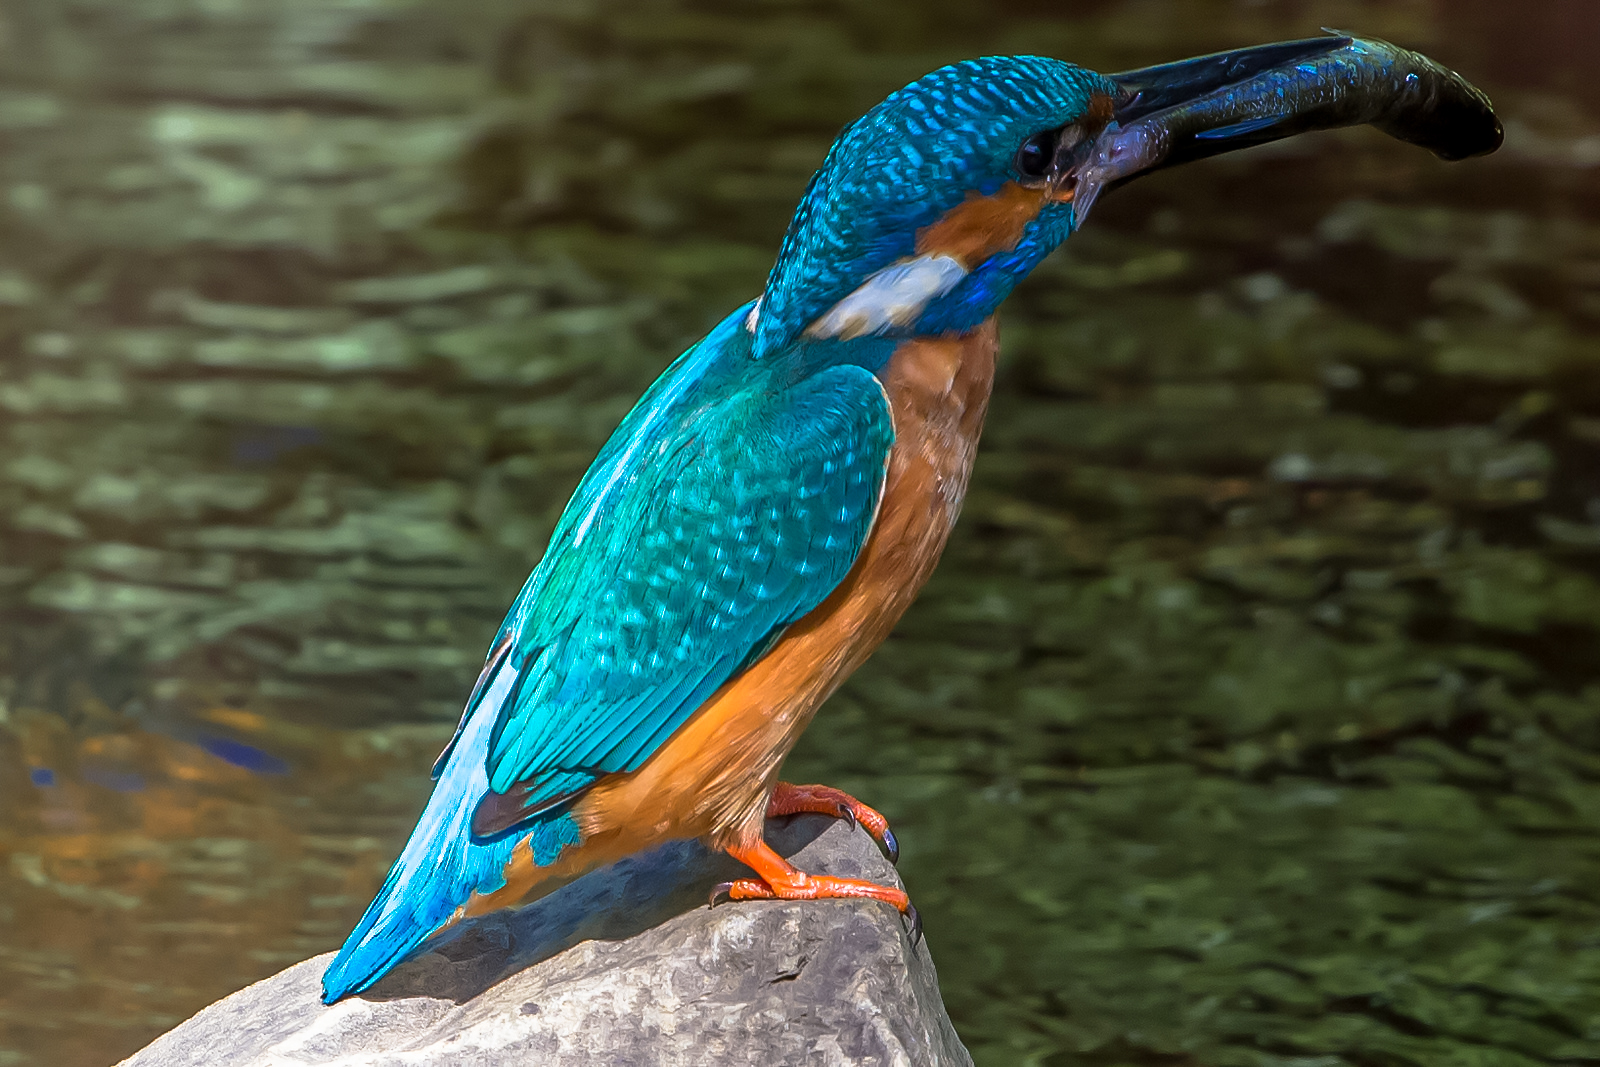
[{"x": 913, "y": 919}]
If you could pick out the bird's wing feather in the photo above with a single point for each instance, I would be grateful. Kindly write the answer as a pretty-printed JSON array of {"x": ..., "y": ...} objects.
[{"x": 717, "y": 520}]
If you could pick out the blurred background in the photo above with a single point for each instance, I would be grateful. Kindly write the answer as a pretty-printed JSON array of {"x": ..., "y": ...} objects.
[{"x": 1252, "y": 719}]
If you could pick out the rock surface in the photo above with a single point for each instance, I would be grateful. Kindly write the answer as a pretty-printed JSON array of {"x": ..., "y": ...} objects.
[{"x": 624, "y": 966}]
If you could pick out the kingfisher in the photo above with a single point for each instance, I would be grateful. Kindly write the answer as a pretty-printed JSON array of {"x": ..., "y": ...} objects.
[{"x": 772, "y": 505}]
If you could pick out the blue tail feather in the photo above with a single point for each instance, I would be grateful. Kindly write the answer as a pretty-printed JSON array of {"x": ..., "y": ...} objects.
[{"x": 441, "y": 865}]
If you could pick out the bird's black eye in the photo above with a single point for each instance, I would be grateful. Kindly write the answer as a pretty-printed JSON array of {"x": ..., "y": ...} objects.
[{"x": 1037, "y": 153}]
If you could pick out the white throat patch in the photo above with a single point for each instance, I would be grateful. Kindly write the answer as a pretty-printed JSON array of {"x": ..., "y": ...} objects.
[{"x": 894, "y": 296}]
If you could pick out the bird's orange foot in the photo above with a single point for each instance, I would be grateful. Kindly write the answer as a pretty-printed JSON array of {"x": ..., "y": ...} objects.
[
  {"x": 781, "y": 880},
  {"x": 824, "y": 800}
]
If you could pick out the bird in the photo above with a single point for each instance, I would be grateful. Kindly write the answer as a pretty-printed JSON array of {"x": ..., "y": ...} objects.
[{"x": 769, "y": 509}]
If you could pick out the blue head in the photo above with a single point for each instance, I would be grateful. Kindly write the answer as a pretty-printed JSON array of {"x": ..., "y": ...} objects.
[
  {"x": 933, "y": 205},
  {"x": 946, "y": 194}
]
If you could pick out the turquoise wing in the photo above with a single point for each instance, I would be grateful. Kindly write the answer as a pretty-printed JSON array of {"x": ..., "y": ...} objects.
[{"x": 726, "y": 507}]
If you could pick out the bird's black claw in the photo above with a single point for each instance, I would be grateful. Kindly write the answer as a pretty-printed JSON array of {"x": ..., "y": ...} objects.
[
  {"x": 914, "y": 918},
  {"x": 721, "y": 893},
  {"x": 848, "y": 816},
  {"x": 891, "y": 847}
]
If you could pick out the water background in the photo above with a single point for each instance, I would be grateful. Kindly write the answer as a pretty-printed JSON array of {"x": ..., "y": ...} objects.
[{"x": 1253, "y": 717}]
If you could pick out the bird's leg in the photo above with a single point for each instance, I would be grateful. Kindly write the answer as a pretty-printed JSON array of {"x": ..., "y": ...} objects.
[
  {"x": 781, "y": 880},
  {"x": 790, "y": 799}
]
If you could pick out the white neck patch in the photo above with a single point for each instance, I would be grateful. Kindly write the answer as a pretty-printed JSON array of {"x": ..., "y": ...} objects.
[{"x": 894, "y": 296}]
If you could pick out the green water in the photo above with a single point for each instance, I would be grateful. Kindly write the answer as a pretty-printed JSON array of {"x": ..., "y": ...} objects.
[{"x": 1253, "y": 717}]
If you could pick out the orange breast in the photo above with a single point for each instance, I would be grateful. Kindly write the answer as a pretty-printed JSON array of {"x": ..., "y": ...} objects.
[{"x": 713, "y": 776}]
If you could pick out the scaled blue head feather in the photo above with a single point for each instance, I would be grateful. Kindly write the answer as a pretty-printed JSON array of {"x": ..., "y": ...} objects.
[{"x": 907, "y": 162}]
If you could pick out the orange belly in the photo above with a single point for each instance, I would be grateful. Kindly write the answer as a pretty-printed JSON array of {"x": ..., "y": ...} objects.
[{"x": 712, "y": 778}]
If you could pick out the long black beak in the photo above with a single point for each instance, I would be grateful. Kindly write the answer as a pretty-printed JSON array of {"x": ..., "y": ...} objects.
[{"x": 1179, "y": 112}]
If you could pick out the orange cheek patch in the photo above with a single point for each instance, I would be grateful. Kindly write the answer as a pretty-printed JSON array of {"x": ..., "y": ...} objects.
[
  {"x": 980, "y": 226},
  {"x": 1095, "y": 118}
]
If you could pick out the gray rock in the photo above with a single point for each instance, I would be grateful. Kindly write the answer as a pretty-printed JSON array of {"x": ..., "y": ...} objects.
[{"x": 623, "y": 967}]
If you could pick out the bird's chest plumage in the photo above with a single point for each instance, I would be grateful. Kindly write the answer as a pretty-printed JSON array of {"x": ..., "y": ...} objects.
[
  {"x": 938, "y": 391},
  {"x": 713, "y": 776}
]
